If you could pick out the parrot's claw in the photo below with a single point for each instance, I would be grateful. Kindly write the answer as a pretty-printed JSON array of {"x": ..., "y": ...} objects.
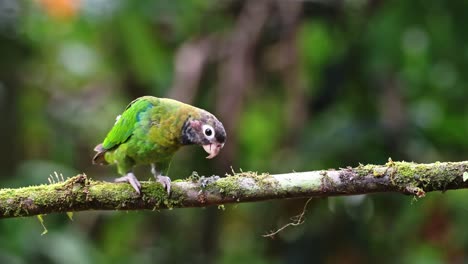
[
  {"x": 165, "y": 181},
  {"x": 204, "y": 181},
  {"x": 130, "y": 178}
]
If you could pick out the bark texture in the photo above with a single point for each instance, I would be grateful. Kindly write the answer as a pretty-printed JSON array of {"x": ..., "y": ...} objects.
[{"x": 81, "y": 193}]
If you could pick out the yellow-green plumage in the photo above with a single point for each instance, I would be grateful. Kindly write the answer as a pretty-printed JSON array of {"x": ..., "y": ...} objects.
[
  {"x": 147, "y": 132},
  {"x": 151, "y": 130}
]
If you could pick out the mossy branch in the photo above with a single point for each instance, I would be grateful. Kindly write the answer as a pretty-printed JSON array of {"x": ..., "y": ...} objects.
[{"x": 81, "y": 193}]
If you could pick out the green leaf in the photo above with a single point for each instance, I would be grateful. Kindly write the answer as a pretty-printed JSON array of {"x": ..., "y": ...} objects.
[
  {"x": 70, "y": 215},
  {"x": 147, "y": 56},
  {"x": 41, "y": 220},
  {"x": 316, "y": 44}
]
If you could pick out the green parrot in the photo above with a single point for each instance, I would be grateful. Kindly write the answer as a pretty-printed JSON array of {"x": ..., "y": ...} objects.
[{"x": 150, "y": 131}]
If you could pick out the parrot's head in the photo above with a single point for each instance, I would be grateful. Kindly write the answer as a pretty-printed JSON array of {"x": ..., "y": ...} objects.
[{"x": 205, "y": 131}]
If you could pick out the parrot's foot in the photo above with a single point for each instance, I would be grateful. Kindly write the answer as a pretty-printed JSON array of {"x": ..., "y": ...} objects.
[
  {"x": 165, "y": 181},
  {"x": 130, "y": 178},
  {"x": 204, "y": 181}
]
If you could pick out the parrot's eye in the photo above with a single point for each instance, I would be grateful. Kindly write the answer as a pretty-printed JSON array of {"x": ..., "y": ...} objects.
[{"x": 208, "y": 131}]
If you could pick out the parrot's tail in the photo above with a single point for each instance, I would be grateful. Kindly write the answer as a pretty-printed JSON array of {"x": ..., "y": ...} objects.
[{"x": 99, "y": 157}]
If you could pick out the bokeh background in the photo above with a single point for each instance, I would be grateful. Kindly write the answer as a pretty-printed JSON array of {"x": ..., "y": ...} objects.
[{"x": 299, "y": 85}]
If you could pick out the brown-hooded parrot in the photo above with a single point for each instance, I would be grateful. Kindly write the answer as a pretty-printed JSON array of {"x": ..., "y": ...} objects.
[{"x": 150, "y": 131}]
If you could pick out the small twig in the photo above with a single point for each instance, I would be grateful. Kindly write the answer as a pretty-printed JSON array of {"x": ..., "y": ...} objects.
[{"x": 296, "y": 220}]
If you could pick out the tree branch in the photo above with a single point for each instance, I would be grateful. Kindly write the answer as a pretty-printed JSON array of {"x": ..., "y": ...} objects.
[{"x": 81, "y": 193}]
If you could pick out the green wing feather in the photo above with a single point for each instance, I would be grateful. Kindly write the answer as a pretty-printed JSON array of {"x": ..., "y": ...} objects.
[
  {"x": 125, "y": 125},
  {"x": 148, "y": 131}
]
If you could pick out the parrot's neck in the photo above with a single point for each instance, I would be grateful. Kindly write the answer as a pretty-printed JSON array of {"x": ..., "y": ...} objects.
[{"x": 187, "y": 133}]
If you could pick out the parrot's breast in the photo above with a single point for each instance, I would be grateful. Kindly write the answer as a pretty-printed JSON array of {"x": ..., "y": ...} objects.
[{"x": 156, "y": 137}]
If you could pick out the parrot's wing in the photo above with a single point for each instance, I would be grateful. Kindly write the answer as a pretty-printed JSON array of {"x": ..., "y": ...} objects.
[{"x": 125, "y": 123}]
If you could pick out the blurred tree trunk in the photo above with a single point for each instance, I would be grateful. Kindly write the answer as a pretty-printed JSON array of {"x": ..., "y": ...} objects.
[{"x": 10, "y": 65}]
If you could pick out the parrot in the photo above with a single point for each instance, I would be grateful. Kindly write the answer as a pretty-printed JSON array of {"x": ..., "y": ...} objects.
[{"x": 150, "y": 131}]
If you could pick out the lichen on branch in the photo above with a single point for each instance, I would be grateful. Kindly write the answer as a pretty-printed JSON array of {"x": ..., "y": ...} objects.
[{"x": 81, "y": 193}]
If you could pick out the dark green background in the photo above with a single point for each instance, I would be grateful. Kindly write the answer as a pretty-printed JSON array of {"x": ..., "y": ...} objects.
[{"x": 299, "y": 85}]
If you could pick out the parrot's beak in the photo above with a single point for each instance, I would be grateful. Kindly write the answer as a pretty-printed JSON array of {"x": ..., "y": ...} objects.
[{"x": 212, "y": 149}]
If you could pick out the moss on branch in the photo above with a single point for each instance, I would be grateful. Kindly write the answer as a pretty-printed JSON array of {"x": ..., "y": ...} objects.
[{"x": 81, "y": 193}]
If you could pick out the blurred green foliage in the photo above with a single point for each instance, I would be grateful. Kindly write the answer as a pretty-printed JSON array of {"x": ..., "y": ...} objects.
[{"x": 330, "y": 84}]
